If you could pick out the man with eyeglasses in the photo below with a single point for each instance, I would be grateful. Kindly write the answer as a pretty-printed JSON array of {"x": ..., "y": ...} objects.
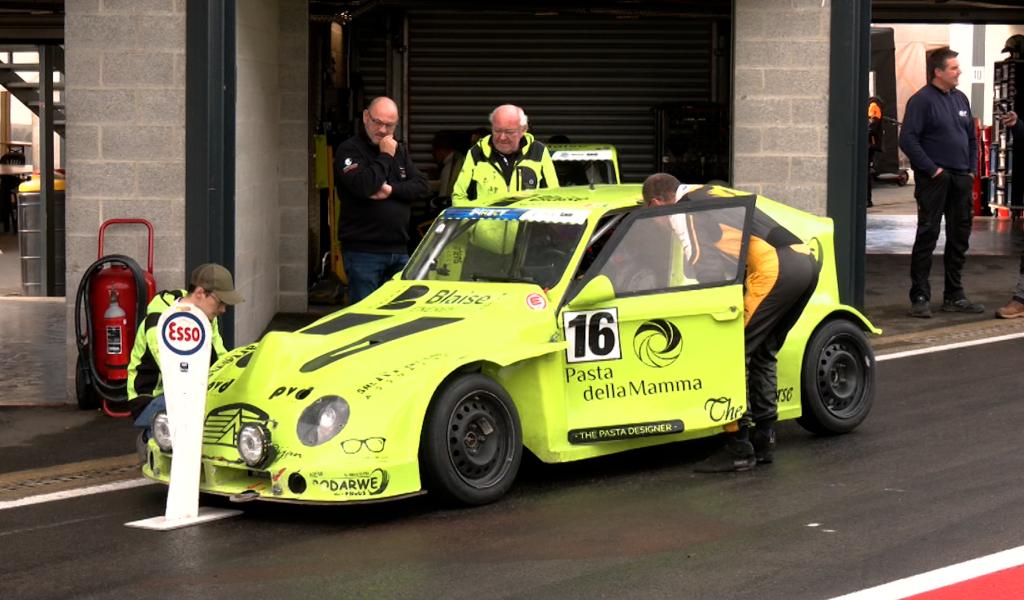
[
  {"x": 377, "y": 181},
  {"x": 508, "y": 160},
  {"x": 211, "y": 289}
]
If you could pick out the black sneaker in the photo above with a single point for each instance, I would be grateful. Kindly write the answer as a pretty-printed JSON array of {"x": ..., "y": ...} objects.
[
  {"x": 763, "y": 440},
  {"x": 735, "y": 455},
  {"x": 920, "y": 309},
  {"x": 963, "y": 305}
]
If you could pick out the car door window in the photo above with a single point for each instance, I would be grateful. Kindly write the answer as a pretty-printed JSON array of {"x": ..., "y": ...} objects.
[{"x": 687, "y": 245}]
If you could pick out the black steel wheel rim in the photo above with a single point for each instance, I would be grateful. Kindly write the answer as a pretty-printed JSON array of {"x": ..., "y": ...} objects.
[
  {"x": 480, "y": 439},
  {"x": 841, "y": 375}
]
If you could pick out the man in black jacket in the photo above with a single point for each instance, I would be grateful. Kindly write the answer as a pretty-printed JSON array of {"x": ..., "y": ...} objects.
[
  {"x": 376, "y": 183},
  {"x": 938, "y": 138}
]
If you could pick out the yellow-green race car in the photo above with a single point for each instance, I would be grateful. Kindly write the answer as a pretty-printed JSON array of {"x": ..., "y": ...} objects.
[{"x": 564, "y": 322}]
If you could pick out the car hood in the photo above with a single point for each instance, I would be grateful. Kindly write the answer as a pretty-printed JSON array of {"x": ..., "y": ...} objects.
[{"x": 401, "y": 341}]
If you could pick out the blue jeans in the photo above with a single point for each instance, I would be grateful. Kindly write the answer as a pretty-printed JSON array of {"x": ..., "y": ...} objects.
[
  {"x": 145, "y": 418},
  {"x": 367, "y": 271}
]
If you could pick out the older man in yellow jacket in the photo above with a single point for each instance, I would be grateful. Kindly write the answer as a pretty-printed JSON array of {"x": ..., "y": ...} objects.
[{"x": 508, "y": 160}]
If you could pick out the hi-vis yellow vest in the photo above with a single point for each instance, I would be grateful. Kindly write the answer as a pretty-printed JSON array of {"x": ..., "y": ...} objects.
[{"x": 481, "y": 176}]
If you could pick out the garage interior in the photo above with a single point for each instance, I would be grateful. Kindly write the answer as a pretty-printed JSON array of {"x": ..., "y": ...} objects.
[{"x": 652, "y": 81}]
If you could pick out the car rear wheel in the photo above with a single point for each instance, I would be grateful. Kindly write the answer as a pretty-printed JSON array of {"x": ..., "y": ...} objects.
[
  {"x": 838, "y": 379},
  {"x": 471, "y": 445}
]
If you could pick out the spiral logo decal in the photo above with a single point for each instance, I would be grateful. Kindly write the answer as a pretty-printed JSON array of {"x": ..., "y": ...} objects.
[{"x": 658, "y": 343}]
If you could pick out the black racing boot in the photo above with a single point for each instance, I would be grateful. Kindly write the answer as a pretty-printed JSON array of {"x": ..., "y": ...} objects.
[
  {"x": 763, "y": 440},
  {"x": 736, "y": 455}
]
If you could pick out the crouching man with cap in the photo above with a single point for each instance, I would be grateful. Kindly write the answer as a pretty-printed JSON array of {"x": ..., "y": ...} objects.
[{"x": 211, "y": 289}]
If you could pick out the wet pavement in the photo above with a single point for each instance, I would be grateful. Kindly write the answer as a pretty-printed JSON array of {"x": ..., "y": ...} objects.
[
  {"x": 32, "y": 351},
  {"x": 931, "y": 479}
]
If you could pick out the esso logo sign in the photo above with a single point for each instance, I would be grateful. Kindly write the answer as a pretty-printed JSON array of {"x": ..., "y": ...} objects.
[
  {"x": 536, "y": 301},
  {"x": 183, "y": 333}
]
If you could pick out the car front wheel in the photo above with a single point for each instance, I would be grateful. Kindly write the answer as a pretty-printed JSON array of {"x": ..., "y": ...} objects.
[
  {"x": 838, "y": 379},
  {"x": 471, "y": 445}
]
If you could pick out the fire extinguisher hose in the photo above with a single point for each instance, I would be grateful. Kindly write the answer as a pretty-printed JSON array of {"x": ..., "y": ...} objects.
[{"x": 116, "y": 393}]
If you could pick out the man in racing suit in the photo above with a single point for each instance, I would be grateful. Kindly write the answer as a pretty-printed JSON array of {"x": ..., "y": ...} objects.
[
  {"x": 781, "y": 276},
  {"x": 508, "y": 160},
  {"x": 211, "y": 289}
]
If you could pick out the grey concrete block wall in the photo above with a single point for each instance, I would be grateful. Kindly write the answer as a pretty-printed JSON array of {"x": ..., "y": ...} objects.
[
  {"x": 271, "y": 163},
  {"x": 295, "y": 164},
  {"x": 780, "y": 100},
  {"x": 125, "y": 136},
  {"x": 256, "y": 150}
]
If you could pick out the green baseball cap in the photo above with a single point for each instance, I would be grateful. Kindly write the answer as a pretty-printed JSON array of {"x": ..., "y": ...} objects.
[{"x": 217, "y": 279}]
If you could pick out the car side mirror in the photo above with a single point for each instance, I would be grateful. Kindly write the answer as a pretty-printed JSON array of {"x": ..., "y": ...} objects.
[{"x": 597, "y": 290}]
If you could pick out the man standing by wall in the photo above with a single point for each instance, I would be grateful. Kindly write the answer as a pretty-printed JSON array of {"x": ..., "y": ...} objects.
[
  {"x": 508, "y": 160},
  {"x": 938, "y": 138},
  {"x": 377, "y": 181}
]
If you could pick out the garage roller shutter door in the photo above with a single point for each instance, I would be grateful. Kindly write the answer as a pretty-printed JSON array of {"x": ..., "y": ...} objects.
[{"x": 592, "y": 78}]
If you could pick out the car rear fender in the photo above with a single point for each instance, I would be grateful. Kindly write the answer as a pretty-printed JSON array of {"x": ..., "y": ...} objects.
[
  {"x": 791, "y": 356},
  {"x": 850, "y": 314}
]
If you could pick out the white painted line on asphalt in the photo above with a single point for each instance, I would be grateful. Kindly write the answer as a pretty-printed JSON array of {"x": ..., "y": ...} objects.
[
  {"x": 943, "y": 577},
  {"x": 991, "y": 340},
  {"x": 88, "y": 491}
]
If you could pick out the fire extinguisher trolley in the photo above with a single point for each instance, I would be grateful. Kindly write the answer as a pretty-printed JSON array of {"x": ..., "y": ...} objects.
[{"x": 110, "y": 304}]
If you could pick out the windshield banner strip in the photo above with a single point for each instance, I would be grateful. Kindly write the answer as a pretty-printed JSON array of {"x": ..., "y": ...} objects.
[
  {"x": 581, "y": 155},
  {"x": 537, "y": 215}
]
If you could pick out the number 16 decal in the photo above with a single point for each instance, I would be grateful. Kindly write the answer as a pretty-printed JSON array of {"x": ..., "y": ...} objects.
[{"x": 592, "y": 335}]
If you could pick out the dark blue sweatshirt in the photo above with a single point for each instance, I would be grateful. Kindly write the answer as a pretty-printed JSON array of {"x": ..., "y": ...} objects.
[{"x": 938, "y": 131}]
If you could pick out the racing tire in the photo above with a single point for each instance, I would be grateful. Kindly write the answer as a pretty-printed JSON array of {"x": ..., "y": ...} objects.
[
  {"x": 838, "y": 379},
  {"x": 86, "y": 395},
  {"x": 471, "y": 445}
]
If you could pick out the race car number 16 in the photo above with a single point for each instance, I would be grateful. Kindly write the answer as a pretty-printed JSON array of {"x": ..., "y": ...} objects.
[{"x": 592, "y": 335}]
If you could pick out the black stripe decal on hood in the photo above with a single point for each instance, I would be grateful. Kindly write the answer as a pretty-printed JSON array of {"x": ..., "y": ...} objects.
[
  {"x": 341, "y": 323},
  {"x": 376, "y": 339}
]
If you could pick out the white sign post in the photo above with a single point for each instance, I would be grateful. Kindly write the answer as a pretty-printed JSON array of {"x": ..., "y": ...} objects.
[{"x": 183, "y": 334}]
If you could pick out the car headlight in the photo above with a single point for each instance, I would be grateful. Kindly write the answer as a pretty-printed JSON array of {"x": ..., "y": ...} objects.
[
  {"x": 254, "y": 444},
  {"x": 322, "y": 420},
  {"x": 161, "y": 430}
]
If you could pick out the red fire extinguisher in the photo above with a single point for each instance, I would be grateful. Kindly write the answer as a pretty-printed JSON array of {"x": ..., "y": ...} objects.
[
  {"x": 115, "y": 326},
  {"x": 110, "y": 304}
]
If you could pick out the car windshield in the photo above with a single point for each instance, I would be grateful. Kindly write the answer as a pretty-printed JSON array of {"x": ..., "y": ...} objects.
[
  {"x": 498, "y": 244},
  {"x": 583, "y": 166},
  {"x": 584, "y": 172}
]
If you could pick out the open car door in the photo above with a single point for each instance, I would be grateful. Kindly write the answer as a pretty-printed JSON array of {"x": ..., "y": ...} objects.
[{"x": 654, "y": 327}]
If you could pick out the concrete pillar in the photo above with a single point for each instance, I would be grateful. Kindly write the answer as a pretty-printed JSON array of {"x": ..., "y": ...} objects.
[
  {"x": 271, "y": 162},
  {"x": 125, "y": 97},
  {"x": 780, "y": 100}
]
